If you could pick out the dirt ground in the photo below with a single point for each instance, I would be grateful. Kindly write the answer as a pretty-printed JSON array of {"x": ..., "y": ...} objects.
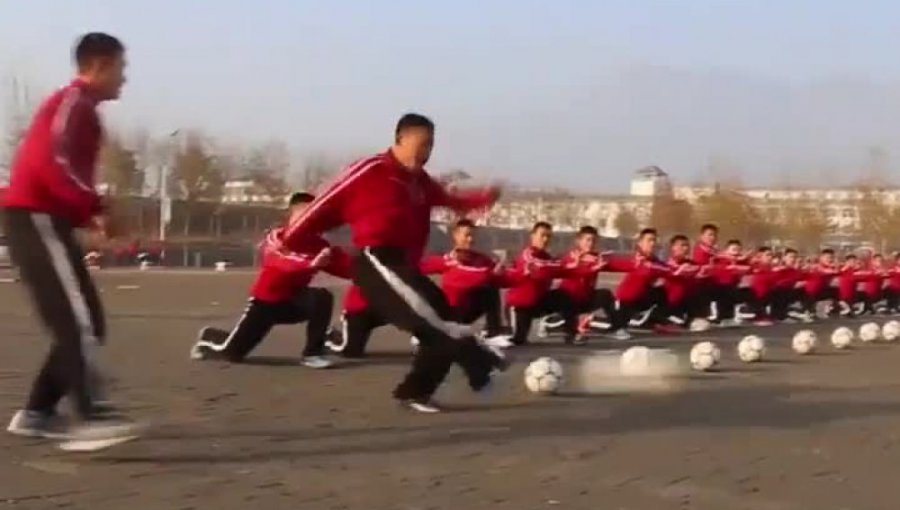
[{"x": 817, "y": 432}]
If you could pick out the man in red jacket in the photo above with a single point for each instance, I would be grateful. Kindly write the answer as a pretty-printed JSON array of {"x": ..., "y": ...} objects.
[
  {"x": 530, "y": 295},
  {"x": 818, "y": 286},
  {"x": 851, "y": 274},
  {"x": 581, "y": 266},
  {"x": 681, "y": 286},
  {"x": 725, "y": 276},
  {"x": 471, "y": 281},
  {"x": 873, "y": 284},
  {"x": 892, "y": 289},
  {"x": 387, "y": 201},
  {"x": 282, "y": 295},
  {"x": 789, "y": 289},
  {"x": 51, "y": 193},
  {"x": 637, "y": 291}
]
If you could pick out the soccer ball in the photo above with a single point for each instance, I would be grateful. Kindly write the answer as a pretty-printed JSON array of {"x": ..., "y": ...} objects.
[
  {"x": 842, "y": 337},
  {"x": 635, "y": 361},
  {"x": 804, "y": 342},
  {"x": 751, "y": 348},
  {"x": 891, "y": 331},
  {"x": 869, "y": 332},
  {"x": 544, "y": 375},
  {"x": 704, "y": 356}
]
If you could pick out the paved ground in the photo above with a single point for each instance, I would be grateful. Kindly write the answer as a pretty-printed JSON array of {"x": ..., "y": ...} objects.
[{"x": 817, "y": 432}]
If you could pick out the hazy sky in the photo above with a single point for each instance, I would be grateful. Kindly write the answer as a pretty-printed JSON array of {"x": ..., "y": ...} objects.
[{"x": 578, "y": 93}]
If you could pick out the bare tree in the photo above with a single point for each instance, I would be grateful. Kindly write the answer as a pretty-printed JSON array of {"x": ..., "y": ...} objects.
[
  {"x": 268, "y": 167},
  {"x": 670, "y": 215},
  {"x": 735, "y": 215},
  {"x": 627, "y": 224},
  {"x": 804, "y": 225},
  {"x": 119, "y": 167},
  {"x": 315, "y": 170},
  {"x": 196, "y": 175}
]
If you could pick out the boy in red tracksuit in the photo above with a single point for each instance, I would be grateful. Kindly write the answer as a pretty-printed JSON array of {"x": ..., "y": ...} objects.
[
  {"x": 579, "y": 282},
  {"x": 637, "y": 291},
  {"x": 892, "y": 289},
  {"x": 470, "y": 280},
  {"x": 726, "y": 274},
  {"x": 530, "y": 295},
  {"x": 764, "y": 276},
  {"x": 851, "y": 273},
  {"x": 357, "y": 321},
  {"x": 789, "y": 288},
  {"x": 281, "y": 295},
  {"x": 819, "y": 279},
  {"x": 681, "y": 286},
  {"x": 873, "y": 284}
]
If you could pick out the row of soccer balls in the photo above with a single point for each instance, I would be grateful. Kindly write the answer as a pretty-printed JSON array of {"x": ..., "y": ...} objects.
[{"x": 545, "y": 375}]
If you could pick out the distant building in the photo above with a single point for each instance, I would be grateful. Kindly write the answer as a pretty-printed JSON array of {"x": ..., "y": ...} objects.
[
  {"x": 650, "y": 181},
  {"x": 247, "y": 191}
]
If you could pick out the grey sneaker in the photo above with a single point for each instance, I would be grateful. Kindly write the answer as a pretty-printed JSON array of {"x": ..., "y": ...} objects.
[
  {"x": 317, "y": 362},
  {"x": 37, "y": 424},
  {"x": 620, "y": 334},
  {"x": 92, "y": 435}
]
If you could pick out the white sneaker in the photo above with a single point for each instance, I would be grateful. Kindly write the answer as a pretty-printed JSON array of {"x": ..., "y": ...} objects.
[
  {"x": 36, "y": 424},
  {"x": 317, "y": 362},
  {"x": 729, "y": 323},
  {"x": 620, "y": 334},
  {"x": 424, "y": 406},
  {"x": 94, "y": 435}
]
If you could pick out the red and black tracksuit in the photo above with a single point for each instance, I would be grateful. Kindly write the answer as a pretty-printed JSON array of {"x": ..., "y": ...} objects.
[
  {"x": 282, "y": 295},
  {"x": 788, "y": 289},
  {"x": 725, "y": 277},
  {"x": 637, "y": 291},
  {"x": 682, "y": 288},
  {"x": 471, "y": 282},
  {"x": 388, "y": 208},
  {"x": 530, "y": 295},
  {"x": 872, "y": 290},
  {"x": 818, "y": 286},
  {"x": 892, "y": 288},
  {"x": 51, "y": 194}
]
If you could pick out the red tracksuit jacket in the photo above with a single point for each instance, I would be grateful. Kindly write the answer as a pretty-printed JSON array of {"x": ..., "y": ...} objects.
[
  {"x": 679, "y": 286},
  {"x": 463, "y": 271},
  {"x": 848, "y": 282},
  {"x": 790, "y": 276},
  {"x": 704, "y": 254},
  {"x": 819, "y": 278},
  {"x": 385, "y": 204},
  {"x": 641, "y": 273},
  {"x": 285, "y": 272},
  {"x": 729, "y": 272},
  {"x": 579, "y": 278},
  {"x": 873, "y": 282},
  {"x": 894, "y": 278},
  {"x": 763, "y": 279},
  {"x": 53, "y": 171},
  {"x": 531, "y": 277}
]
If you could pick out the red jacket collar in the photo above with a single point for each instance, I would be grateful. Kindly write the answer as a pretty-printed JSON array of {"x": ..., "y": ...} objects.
[{"x": 86, "y": 88}]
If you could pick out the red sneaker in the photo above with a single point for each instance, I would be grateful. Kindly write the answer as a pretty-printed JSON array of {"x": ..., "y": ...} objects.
[{"x": 667, "y": 329}]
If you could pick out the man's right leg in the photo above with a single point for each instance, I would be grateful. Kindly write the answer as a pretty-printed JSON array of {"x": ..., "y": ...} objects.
[
  {"x": 520, "y": 319},
  {"x": 255, "y": 323},
  {"x": 404, "y": 297}
]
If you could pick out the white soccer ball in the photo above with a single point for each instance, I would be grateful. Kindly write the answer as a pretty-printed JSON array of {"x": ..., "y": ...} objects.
[
  {"x": 752, "y": 348},
  {"x": 891, "y": 330},
  {"x": 635, "y": 361},
  {"x": 544, "y": 375},
  {"x": 704, "y": 356},
  {"x": 804, "y": 341},
  {"x": 700, "y": 325},
  {"x": 869, "y": 332},
  {"x": 842, "y": 337}
]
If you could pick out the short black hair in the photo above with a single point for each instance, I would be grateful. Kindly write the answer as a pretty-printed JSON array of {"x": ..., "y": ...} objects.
[
  {"x": 878, "y": 256},
  {"x": 541, "y": 224},
  {"x": 94, "y": 45},
  {"x": 412, "y": 121},
  {"x": 587, "y": 230},
  {"x": 733, "y": 242},
  {"x": 827, "y": 251},
  {"x": 791, "y": 250},
  {"x": 709, "y": 226},
  {"x": 678, "y": 239},
  {"x": 647, "y": 232},
  {"x": 464, "y": 223},
  {"x": 764, "y": 249},
  {"x": 850, "y": 256},
  {"x": 300, "y": 197}
]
